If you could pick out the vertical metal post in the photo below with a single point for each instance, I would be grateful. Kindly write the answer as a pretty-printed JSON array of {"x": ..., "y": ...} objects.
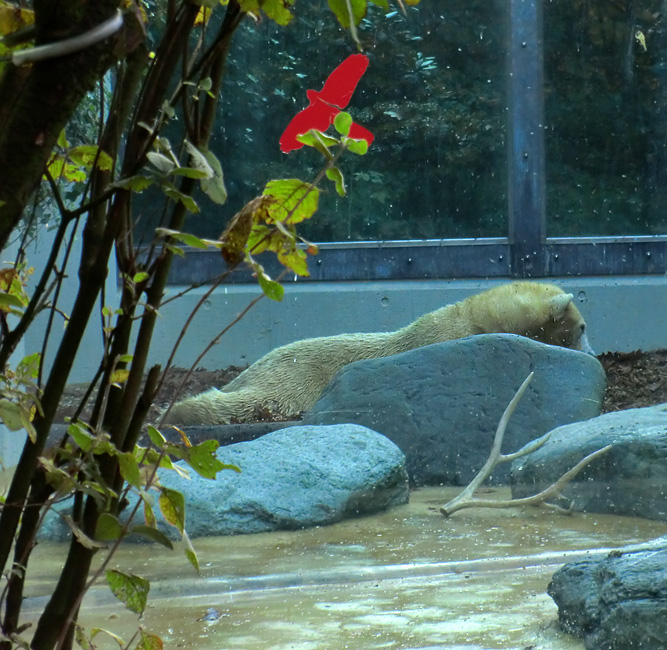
[{"x": 526, "y": 191}]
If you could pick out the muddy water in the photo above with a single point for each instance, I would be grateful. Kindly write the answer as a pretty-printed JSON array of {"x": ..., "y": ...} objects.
[{"x": 407, "y": 578}]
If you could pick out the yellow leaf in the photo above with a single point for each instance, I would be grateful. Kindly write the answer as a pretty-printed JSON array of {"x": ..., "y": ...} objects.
[
  {"x": 119, "y": 376},
  {"x": 203, "y": 16},
  {"x": 13, "y": 18},
  {"x": 641, "y": 39}
]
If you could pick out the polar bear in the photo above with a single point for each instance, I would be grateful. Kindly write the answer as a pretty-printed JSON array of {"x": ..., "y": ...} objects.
[{"x": 290, "y": 379}]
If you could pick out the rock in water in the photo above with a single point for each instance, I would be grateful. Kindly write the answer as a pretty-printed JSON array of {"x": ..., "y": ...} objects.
[
  {"x": 629, "y": 479},
  {"x": 618, "y": 602}
]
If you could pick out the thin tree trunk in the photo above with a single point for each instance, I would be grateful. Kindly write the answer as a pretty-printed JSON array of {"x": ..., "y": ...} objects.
[{"x": 46, "y": 96}]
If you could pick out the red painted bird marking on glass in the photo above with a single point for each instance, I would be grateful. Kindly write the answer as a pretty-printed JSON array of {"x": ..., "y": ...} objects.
[{"x": 327, "y": 103}]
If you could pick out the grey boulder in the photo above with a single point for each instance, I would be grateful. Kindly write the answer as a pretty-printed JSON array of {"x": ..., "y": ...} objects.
[
  {"x": 293, "y": 478},
  {"x": 441, "y": 403},
  {"x": 618, "y": 602},
  {"x": 629, "y": 479}
]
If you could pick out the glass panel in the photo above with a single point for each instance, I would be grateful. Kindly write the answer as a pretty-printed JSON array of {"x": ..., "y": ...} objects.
[
  {"x": 605, "y": 106},
  {"x": 433, "y": 96}
]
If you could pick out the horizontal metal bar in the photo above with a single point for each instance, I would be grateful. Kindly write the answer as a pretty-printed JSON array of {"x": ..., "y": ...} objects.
[
  {"x": 361, "y": 263},
  {"x": 444, "y": 259},
  {"x": 643, "y": 256},
  {"x": 413, "y": 243}
]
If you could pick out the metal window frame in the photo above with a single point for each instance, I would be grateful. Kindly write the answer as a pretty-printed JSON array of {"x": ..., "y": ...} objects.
[{"x": 526, "y": 253}]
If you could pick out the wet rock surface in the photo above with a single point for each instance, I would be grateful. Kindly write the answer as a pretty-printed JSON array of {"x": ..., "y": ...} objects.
[
  {"x": 441, "y": 404},
  {"x": 618, "y": 602},
  {"x": 294, "y": 478},
  {"x": 629, "y": 479}
]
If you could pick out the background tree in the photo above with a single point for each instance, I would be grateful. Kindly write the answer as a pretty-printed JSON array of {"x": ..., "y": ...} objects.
[{"x": 157, "y": 99}]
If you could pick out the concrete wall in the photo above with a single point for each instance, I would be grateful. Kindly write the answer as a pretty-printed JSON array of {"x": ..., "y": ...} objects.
[{"x": 623, "y": 314}]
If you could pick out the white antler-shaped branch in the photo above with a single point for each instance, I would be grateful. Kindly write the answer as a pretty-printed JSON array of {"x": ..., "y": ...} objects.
[{"x": 466, "y": 499}]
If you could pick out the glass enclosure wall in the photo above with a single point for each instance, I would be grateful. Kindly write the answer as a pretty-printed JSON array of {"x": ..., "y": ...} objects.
[
  {"x": 512, "y": 138},
  {"x": 606, "y": 109},
  {"x": 433, "y": 96}
]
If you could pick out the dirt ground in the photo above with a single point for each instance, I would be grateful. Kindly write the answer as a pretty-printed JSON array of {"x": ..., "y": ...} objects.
[{"x": 634, "y": 379}]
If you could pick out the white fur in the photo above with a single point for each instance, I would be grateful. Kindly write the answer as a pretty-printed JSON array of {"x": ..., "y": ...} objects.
[{"x": 290, "y": 379}]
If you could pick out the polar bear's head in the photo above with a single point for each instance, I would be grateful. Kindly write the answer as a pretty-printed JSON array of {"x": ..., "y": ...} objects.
[{"x": 543, "y": 312}]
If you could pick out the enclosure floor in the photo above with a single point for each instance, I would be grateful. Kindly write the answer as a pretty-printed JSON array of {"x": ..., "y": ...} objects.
[{"x": 407, "y": 578}]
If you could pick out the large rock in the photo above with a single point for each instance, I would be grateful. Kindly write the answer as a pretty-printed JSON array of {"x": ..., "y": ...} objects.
[
  {"x": 293, "y": 478},
  {"x": 441, "y": 403},
  {"x": 618, "y": 602},
  {"x": 629, "y": 479}
]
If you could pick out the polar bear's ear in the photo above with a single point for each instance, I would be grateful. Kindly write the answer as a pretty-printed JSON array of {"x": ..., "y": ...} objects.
[{"x": 558, "y": 304}]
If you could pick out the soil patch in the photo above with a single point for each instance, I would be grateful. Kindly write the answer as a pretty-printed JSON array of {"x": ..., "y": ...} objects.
[{"x": 634, "y": 379}]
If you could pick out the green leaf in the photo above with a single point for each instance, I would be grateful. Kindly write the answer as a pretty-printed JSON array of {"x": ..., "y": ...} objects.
[
  {"x": 28, "y": 367},
  {"x": 81, "y": 537},
  {"x": 203, "y": 460},
  {"x": 152, "y": 457},
  {"x": 272, "y": 289},
  {"x": 86, "y": 154},
  {"x": 259, "y": 239},
  {"x": 161, "y": 162},
  {"x": 8, "y": 300},
  {"x": 189, "y": 203},
  {"x": 183, "y": 237},
  {"x": 319, "y": 141},
  {"x": 277, "y": 11},
  {"x": 156, "y": 437},
  {"x": 340, "y": 8},
  {"x": 199, "y": 161},
  {"x": 82, "y": 640},
  {"x": 108, "y": 528},
  {"x": 149, "y": 641},
  {"x": 10, "y": 414},
  {"x": 214, "y": 187},
  {"x": 26, "y": 421},
  {"x": 129, "y": 469},
  {"x": 295, "y": 201},
  {"x": 56, "y": 477},
  {"x": 153, "y": 534},
  {"x": 94, "y": 631},
  {"x": 134, "y": 183},
  {"x": 334, "y": 174},
  {"x": 83, "y": 439},
  {"x": 119, "y": 376},
  {"x": 172, "y": 507},
  {"x": 190, "y": 172},
  {"x": 62, "y": 140},
  {"x": 295, "y": 259},
  {"x": 190, "y": 552},
  {"x": 130, "y": 589},
  {"x": 140, "y": 277},
  {"x": 360, "y": 147},
  {"x": 342, "y": 122},
  {"x": 175, "y": 250},
  {"x": 149, "y": 515}
]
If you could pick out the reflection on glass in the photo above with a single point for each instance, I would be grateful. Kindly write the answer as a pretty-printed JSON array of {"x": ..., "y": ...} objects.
[
  {"x": 433, "y": 96},
  {"x": 605, "y": 105}
]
